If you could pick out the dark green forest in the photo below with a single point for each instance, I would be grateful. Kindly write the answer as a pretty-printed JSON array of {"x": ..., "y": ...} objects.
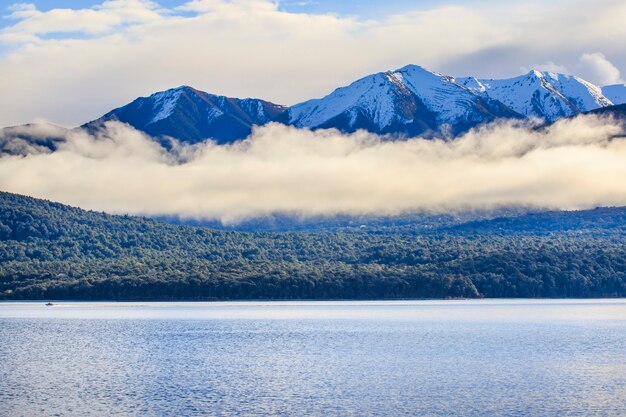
[{"x": 52, "y": 251}]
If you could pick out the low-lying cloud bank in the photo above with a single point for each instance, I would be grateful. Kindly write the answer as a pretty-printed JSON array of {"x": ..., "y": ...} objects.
[{"x": 573, "y": 164}]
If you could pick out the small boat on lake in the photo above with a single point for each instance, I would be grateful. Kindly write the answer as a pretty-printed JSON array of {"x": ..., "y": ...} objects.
[{"x": 49, "y": 304}]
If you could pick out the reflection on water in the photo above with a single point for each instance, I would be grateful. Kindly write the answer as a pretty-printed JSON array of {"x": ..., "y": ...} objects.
[{"x": 435, "y": 358}]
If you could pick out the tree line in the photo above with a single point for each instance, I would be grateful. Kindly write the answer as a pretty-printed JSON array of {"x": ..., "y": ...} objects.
[{"x": 52, "y": 251}]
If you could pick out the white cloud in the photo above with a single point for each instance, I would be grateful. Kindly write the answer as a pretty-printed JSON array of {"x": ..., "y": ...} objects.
[
  {"x": 21, "y": 10},
  {"x": 97, "y": 20},
  {"x": 573, "y": 164},
  {"x": 110, "y": 54},
  {"x": 597, "y": 68},
  {"x": 213, "y": 6}
]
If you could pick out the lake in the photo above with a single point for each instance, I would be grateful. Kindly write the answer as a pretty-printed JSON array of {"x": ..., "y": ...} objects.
[{"x": 399, "y": 358}]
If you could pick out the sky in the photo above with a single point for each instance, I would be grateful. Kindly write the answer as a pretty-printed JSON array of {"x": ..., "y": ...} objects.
[
  {"x": 362, "y": 9},
  {"x": 70, "y": 61}
]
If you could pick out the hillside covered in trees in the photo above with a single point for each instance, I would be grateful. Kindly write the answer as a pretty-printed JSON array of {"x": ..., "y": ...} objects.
[{"x": 52, "y": 251}]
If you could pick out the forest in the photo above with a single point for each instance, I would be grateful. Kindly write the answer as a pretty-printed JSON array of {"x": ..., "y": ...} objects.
[{"x": 53, "y": 251}]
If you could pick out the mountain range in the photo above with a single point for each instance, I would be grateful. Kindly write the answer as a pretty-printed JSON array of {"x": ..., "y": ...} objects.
[{"x": 402, "y": 103}]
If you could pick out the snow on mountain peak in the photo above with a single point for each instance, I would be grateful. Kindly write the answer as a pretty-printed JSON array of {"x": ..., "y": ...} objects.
[
  {"x": 584, "y": 95},
  {"x": 373, "y": 93},
  {"x": 391, "y": 97},
  {"x": 164, "y": 103},
  {"x": 472, "y": 83},
  {"x": 394, "y": 100},
  {"x": 441, "y": 94},
  {"x": 545, "y": 95},
  {"x": 417, "y": 69}
]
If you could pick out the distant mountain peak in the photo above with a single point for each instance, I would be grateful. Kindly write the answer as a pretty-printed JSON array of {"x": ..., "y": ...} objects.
[
  {"x": 535, "y": 73},
  {"x": 412, "y": 68},
  {"x": 192, "y": 115},
  {"x": 164, "y": 103},
  {"x": 546, "y": 95},
  {"x": 408, "y": 101}
]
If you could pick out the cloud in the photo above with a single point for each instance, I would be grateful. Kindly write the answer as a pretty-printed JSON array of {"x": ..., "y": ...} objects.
[
  {"x": 597, "y": 68},
  {"x": 573, "y": 164},
  {"x": 30, "y": 139},
  {"x": 99, "y": 19},
  {"x": 70, "y": 66}
]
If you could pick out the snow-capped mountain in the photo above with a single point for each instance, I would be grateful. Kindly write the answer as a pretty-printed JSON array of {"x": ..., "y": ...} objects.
[
  {"x": 544, "y": 95},
  {"x": 192, "y": 115},
  {"x": 405, "y": 102},
  {"x": 408, "y": 101}
]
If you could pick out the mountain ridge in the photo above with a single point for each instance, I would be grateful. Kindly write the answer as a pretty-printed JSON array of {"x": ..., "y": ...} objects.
[
  {"x": 544, "y": 95},
  {"x": 405, "y": 102}
]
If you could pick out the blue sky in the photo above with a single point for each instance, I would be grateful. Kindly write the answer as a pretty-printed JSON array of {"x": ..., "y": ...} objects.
[
  {"x": 370, "y": 7},
  {"x": 365, "y": 8},
  {"x": 69, "y": 61}
]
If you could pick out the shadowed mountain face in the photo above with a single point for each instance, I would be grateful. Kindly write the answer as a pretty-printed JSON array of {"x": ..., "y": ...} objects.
[
  {"x": 616, "y": 93},
  {"x": 618, "y": 112},
  {"x": 193, "y": 116}
]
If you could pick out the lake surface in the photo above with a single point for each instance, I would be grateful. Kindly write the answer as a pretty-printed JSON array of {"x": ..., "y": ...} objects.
[{"x": 405, "y": 358}]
